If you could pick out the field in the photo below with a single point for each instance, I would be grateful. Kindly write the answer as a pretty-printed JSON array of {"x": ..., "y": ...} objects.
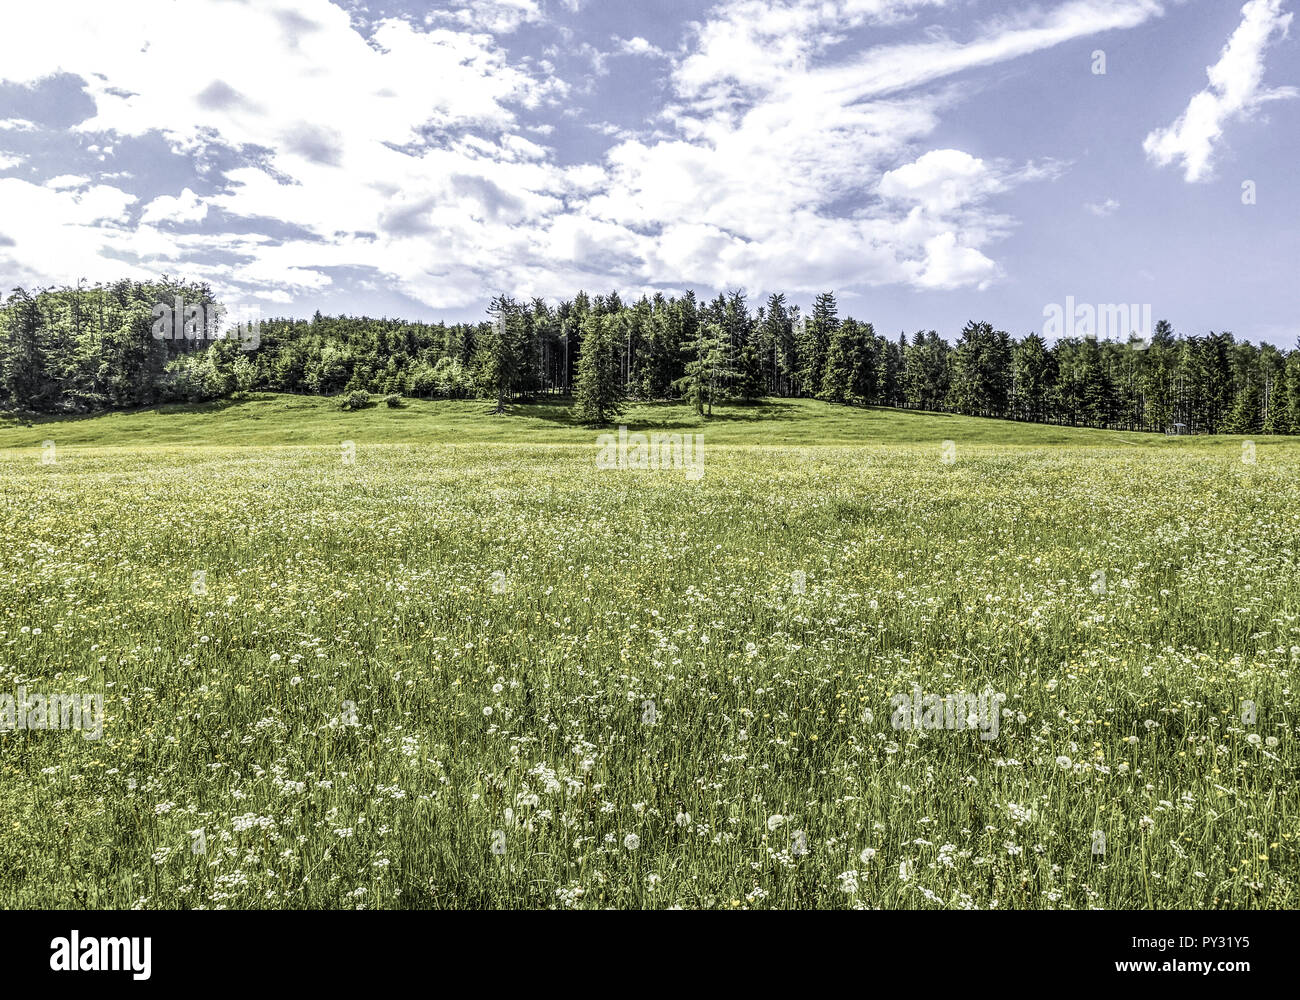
[{"x": 469, "y": 669}]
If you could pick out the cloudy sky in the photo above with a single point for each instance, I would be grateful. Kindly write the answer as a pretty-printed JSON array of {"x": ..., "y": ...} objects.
[{"x": 930, "y": 161}]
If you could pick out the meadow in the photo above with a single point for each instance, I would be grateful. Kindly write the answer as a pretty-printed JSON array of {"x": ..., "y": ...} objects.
[{"x": 458, "y": 666}]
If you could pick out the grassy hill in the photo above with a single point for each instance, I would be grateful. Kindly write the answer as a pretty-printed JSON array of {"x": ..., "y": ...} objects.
[{"x": 270, "y": 420}]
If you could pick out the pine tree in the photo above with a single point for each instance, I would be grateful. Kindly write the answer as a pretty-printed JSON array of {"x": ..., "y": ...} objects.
[
  {"x": 1246, "y": 415},
  {"x": 814, "y": 341},
  {"x": 499, "y": 354},
  {"x": 837, "y": 377},
  {"x": 599, "y": 386},
  {"x": 708, "y": 368},
  {"x": 866, "y": 363},
  {"x": 1033, "y": 375},
  {"x": 1291, "y": 389},
  {"x": 24, "y": 355}
]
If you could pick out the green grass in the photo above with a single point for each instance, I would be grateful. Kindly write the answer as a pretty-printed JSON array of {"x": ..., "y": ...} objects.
[
  {"x": 267, "y": 419},
  {"x": 401, "y": 591}
]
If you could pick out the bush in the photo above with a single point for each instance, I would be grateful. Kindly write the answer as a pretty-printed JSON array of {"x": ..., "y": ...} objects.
[
  {"x": 451, "y": 380},
  {"x": 356, "y": 400},
  {"x": 421, "y": 382},
  {"x": 194, "y": 377},
  {"x": 393, "y": 400}
]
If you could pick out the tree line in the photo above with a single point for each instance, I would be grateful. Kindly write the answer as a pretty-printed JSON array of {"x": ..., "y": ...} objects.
[{"x": 83, "y": 349}]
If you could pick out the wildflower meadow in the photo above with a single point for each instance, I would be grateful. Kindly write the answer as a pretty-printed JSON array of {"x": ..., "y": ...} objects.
[{"x": 439, "y": 658}]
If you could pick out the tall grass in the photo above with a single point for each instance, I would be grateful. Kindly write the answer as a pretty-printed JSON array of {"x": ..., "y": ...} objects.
[{"x": 393, "y": 667}]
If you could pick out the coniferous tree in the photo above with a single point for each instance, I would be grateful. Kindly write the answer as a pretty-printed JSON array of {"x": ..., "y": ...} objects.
[
  {"x": 889, "y": 377},
  {"x": 1291, "y": 389},
  {"x": 926, "y": 372},
  {"x": 82, "y": 348},
  {"x": 599, "y": 389},
  {"x": 500, "y": 353},
  {"x": 814, "y": 341},
  {"x": 841, "y": 358},
  {"x": 1033, "y": 379},
  {"x": 708, "y": 368}
]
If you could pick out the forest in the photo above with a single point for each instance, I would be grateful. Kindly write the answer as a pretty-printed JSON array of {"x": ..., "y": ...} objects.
[{"x": 87, "y": 349}]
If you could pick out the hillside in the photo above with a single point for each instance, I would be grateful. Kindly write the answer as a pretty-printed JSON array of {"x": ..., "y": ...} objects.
[{"x": 272, "y": 419}]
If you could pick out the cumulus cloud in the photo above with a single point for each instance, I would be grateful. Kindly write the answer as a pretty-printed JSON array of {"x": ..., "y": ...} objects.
[
  {"x": 185, "y": 208},
  {"x": 411, "y": 152},
  {"x": 637, "y": 46},
  {"x": 948, "y": 265},
  {"x": 346, "y": 131},
  {"x": 942, "y": 180},
  {"x": 774, "y": 149},
  {"x": 1235, "y": 92},
  {"x": 65, "y": 232},
  {"x": 65, "y": 181}
]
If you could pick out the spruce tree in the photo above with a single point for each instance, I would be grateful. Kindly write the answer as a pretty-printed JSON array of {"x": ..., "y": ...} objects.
[
  {"x": 599, "y": 385},
  {"x": 708, "y": 368}
]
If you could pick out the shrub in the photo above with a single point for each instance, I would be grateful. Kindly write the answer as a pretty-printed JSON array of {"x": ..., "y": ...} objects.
[
  {"x": 356, "y": 400},
  {"x": 393, "y": 400},
  {"x": 451, "y": 380},
  {"x": 421, "y": 383}
]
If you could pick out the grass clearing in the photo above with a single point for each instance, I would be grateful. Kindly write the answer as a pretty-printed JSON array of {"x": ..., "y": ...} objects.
[{"x": 582, "y": 688}]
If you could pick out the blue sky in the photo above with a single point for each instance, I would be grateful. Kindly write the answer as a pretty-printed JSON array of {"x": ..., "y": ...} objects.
[{"x": 930, "y": 161}]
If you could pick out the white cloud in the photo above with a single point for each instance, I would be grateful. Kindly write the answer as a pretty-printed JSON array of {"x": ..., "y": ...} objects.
[
  {"x": 498, "y": 16},
  {"x": 344, "y": 159},
  {"x": 942, "y": 180},
  {"x": 637, "y": 46},
  {"x": 410, "y": 155},
  {"x": 185, "y": 208},
  {"x": 889, "y": 69},
  {"x": 1235, "y": 92},
  {"x": 1102, "y": 209},
  {"x": 747, "y": 45},
  {"x": 774, "y": 151},
  {"x": 65, "y": 181},
  {"x": 949, "y": 265},
  {"x": 64, "y": 233}
]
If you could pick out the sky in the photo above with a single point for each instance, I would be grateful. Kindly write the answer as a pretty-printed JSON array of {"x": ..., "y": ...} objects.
[{"x": 929, "y": 161}]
